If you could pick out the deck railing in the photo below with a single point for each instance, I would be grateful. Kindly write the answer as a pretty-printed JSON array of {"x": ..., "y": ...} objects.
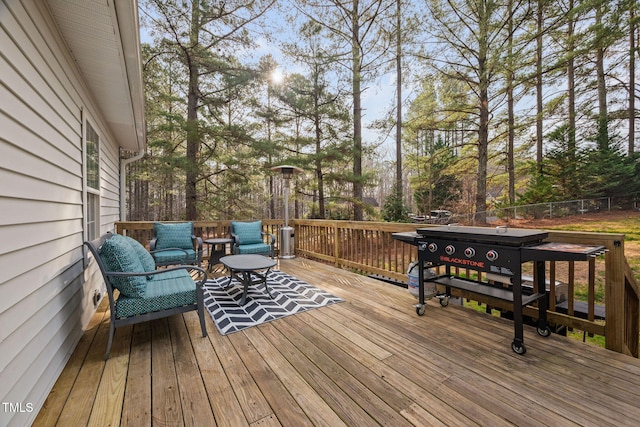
[{"x": 604, "y": 284}]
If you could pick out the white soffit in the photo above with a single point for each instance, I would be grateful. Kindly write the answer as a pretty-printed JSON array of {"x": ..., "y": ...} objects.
[{"x": 103, "y": 37}]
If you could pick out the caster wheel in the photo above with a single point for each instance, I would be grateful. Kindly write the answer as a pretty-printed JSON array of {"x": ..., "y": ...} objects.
[
  {"x": 420, "y": 309},
  {"x": 544, "y": 332},
  {"x": 444, "y": 301},
  {"x": 518, "y": 348}
]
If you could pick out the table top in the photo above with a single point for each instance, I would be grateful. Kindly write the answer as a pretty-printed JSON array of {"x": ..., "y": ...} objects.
[
  {"x": 247, "y": 262},
  {"x": 218, "y": 240}
]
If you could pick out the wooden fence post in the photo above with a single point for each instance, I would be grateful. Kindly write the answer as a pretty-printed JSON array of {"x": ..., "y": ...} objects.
[
  {"x": 336, "y": 243},
  {"x": 614, "y": 294}
]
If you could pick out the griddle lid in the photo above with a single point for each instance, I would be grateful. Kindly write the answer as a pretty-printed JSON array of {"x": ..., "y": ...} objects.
[{"x": 497, "y": 235}]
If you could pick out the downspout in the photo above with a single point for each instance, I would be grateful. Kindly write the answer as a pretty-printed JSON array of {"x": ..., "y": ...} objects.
[{"x": 124, "y": 162}]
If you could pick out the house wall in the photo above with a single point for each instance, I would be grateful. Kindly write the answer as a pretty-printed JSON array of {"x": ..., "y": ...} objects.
[{"x": 45, "y": 292}]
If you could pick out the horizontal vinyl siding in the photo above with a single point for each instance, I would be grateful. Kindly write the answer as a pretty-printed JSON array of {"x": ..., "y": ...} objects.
[
  {"x": 45, "y": 292},
  {"x": 109, "y": 187}
]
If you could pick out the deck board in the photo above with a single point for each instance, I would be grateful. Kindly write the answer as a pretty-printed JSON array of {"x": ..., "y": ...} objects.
[
  {"x": 367, "y": 361},
  {"x": 136, "y": 410}
]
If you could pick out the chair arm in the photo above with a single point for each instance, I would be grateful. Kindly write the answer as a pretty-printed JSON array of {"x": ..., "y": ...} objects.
[
  {"x": 198, "y": 244},
  {"x": 201, "y": 272},
  {"x": 273, "y": 237},
  {"x": 236, "y": 243},
  {"x": 152, "y": 244},
  {"x": 169, "y": 249}
]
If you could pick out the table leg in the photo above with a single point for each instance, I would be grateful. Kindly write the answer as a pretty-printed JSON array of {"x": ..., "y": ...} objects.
[
  {"x": 215, "y": 255},
  {"x": 246, "y": 280},
  {"x": 264, "y": 280},
  {"x": 230, "y": 278}
]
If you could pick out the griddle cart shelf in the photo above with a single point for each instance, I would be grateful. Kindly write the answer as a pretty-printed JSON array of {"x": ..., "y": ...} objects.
[{"x": 483, "y": 289}]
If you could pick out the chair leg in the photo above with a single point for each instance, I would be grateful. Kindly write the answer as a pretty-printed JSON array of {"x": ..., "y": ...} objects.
[
  {"x": 112, "y": 330},
  {"x": 200, "y": 298}
]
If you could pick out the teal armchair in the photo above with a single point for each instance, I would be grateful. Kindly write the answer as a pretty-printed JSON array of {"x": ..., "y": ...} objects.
[
  {"x": 175, "y": 243},
  {"x": 248, "y": 238},
  {"x": 145, "y": 293}
]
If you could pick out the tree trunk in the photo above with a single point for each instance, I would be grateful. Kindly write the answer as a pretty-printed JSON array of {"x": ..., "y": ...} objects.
[
  {"x": 483, "y": 125},
  {"x": 193, "y": 134},
  {"x": 318, "y": 136},
  {"x": 357, "y": 117},
  {"x": 398, "y": 188},
  {"x": 511, "y": 168},
  {"x": 571, "y": 137},
  {"x": 483, "y": 143},
  {"x": 632, "y": 78},
  {"x": 603, "y": 115},
  {"x": 539, "y": 104}
]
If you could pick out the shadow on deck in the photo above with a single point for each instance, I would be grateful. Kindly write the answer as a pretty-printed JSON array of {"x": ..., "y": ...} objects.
[{"x": 370, "y": 360}]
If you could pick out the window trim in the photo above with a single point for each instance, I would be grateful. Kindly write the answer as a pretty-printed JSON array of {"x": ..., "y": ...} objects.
[{"x": 91, "y": 229}]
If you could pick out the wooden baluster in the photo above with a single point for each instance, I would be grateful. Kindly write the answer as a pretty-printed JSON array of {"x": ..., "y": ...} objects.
[
  {"x": 592, "y": 289},
  {"x": 571, "y": 288}
]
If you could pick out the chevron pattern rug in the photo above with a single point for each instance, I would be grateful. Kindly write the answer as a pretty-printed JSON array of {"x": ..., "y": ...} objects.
[{"x": 290, "y": 296}]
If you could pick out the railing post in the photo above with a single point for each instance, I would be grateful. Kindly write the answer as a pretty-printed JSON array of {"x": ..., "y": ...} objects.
[
  {"x": 336, "y": 244},
  {"x": 614, "y": 296}
]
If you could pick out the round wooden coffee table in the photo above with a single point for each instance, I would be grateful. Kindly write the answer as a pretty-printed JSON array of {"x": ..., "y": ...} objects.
[{"x": 248, "y": 270}]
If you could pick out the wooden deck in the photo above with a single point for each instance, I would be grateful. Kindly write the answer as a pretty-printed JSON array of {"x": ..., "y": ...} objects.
[{"x": 370, "y": 360}]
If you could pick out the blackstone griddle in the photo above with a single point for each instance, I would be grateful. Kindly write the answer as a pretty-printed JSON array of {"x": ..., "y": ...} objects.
[{"x": 500, "y": 251}]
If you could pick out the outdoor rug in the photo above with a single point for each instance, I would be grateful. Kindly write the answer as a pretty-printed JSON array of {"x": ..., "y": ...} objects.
[{"x": 290, "y": 296}]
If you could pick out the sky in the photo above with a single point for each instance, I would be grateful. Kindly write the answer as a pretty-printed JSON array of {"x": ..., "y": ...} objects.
[{"x": 377, "y": 99}]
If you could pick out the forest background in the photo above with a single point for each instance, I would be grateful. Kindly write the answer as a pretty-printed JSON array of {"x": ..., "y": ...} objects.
[{"x": 495, "y": 103}]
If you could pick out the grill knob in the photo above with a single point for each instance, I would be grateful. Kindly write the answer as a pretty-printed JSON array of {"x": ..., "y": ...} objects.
[
  {"x": 433, "y": 247},
  {"x": 450, "y": 250},
  {"x": 492, "y": 255},
  {"x": 469, "y": 252}
]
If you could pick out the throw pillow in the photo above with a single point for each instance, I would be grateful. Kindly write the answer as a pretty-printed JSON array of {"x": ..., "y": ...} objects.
[
  {"x": 248, "y": 232},
  {"x": 147, "y": 261},
  {"x": 118, "y": 256},
  {"x": 173, "y": 235}
]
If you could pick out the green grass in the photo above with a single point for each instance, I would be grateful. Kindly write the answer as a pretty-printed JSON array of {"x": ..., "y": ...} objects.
[
  {"x": 630, "y": 227},
  {"x": 597, "y": 340},
  {"x": 627, "y": 225}
]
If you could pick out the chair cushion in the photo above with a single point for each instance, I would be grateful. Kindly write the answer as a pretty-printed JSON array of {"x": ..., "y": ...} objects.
[
  {"x": 248, "y": 232},
  {"x": 255, "y": 248},
  {"x": 164, "y": 291},
  {"x": 173, "y": 235},
  {"x": 145, "y": 257},
  {"x": 118, "y": 256},
  {"x": 175, "y": 256}
]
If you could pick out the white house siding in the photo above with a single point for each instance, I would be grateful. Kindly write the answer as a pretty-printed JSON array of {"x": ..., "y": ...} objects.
[{"x": 45, "y": 293}]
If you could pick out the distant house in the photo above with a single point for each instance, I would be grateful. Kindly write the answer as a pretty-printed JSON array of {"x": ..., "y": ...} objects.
[
  {"x": 71, "y": 103},
  {"x": 371, "y": 201}
]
